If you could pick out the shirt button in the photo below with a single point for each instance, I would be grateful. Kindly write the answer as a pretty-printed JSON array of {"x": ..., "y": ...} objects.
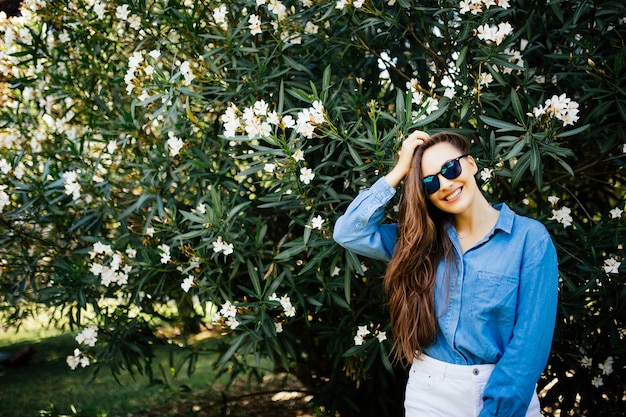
[{"x": 475, "y": 371}]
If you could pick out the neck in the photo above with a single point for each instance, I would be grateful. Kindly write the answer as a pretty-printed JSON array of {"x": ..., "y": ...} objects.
[{"x": 474, "y": 218}]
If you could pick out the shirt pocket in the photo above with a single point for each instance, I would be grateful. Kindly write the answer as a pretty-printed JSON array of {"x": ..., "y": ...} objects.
[{"x": 494, "y": 297}]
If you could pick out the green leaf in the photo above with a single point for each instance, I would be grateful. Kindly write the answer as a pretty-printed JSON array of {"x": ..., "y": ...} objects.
[{"x": 501, "y": 125}]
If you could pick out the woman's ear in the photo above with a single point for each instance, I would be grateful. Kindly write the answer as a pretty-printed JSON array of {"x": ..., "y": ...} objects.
[{"x": 473, "y": 163}]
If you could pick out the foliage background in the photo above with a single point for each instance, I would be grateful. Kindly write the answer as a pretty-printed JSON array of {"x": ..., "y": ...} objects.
[{"x": 134, "y": 135}]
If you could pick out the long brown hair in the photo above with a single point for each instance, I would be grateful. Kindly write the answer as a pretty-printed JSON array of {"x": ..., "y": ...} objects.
[{"x": 422, "y": 243}]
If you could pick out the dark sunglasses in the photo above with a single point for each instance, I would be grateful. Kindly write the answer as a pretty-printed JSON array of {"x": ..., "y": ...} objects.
[{"x": 450, "y": 170}]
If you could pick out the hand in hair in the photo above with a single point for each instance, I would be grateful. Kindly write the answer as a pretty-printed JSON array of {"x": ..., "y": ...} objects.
[{"x": 405, "y": 156}]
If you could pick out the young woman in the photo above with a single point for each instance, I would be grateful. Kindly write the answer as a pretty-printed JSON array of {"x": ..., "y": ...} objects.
[{"x": 472, "y": 289}]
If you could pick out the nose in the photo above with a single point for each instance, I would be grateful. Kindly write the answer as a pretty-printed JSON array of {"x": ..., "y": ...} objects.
[{"x": 444, "y": 183}]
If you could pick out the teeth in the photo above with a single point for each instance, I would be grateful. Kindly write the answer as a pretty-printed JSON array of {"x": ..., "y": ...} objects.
[{"x": 453, "y": 195}]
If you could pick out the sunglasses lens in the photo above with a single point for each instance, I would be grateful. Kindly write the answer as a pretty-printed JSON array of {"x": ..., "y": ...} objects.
[
  {"x": 431, "y": 184},
  {"x": 452, "y": 169}
]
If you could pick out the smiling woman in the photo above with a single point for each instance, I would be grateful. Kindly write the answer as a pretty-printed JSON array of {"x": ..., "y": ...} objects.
[{"x": 467, "y": 324}]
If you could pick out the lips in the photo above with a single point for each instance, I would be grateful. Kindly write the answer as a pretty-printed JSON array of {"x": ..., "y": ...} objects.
[{"x": 453, "y": 195}]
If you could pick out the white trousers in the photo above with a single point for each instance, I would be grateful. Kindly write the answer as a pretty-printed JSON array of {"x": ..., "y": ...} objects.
[{"x": 440, "y": 389}]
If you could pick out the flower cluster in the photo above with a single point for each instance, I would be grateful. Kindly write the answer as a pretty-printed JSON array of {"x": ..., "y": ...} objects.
[
  {"x": 220, "y": 246},
  {"x": 558, "y": 107},
  {"x": 285, "y": 302},
  {"x": 606, "y": 368},
  {"x": 108, "y": 264},
  {"x": 426, "y": 104},
  {"x": 476, "y": 7},
  {"x": 363, "y": 331},
  {"x": 227, "y": 314},
  {"x": 562, "y": 216},
  {"x": 341, "y": 4},
  {"x": 257, "y": 120},
  {"x": 494, "y": 33},
  {"x": 89, "y": 336},
  {"x": 78, "y": 358}
]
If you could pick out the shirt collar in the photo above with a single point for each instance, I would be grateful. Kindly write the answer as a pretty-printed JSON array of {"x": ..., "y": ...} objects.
[
  {"x": 505, "y": 219},
  {"x": 504, "y": 222}
]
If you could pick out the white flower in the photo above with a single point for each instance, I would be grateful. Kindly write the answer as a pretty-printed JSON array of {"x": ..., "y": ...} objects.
[
  {"x": 311, "y": 28},
  {"x": 269, "y": 167},
  {"x": 89, "y": 336},
  {"x": 317, "y": 222},
  {"x": 335, "y": 272},
  {"x": 254, "y": 25},
  {"x": 72, "y": 187},
  {"x": 288, "y": 122},
  {"x": 72, "y": 361},
  {"x": 586, "y": 362},
  {"x": 5, "y": 167},
  {"x": 174, "y": 144},
  {"x": 279, "y": 327},
  {"x": 611, "y": 266},
  {"x": 150, "y": 231},
  {"x": 155, "y": 54},
  {"x": 597, "y": 382},
  {"x": 358, "y": 340},
  {"x": 219, "y": 15},
  {"x": 607, "y": 366},
  {"x": 77, "y": 359},
  {"x": 552, "y": 199},
  {"x": 362, "y": 331},
  {"x": 100, "y": 248},
  {"x": 201, "y": 208},
  {"x": 289, "y": 309},
  {"x": 306, "y": 175},
  {"x": 165, "y": 253},
  {"x": 122, "y": 12},
  {"x": 616, "y": 213},
  {"x": 298, "y": 155},
  {"x": 220, "y": 246},
  {"x": 562, "y": 216},
  {"x": 232, "y": 323},
  {"x": 485, "y": 78},
  {"x": 187, "y": 283},
  {"x": 381, "y": 336},
  {"x": 624, "y": 148},
  {"x": 486, "y": 174},
  {"x": 493, "y": 33},
  {"x": 4, "y": 198},
  {"x": 228, "y": 309}
]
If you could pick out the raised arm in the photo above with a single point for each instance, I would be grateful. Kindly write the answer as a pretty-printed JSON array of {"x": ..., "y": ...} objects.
[{"x": 361, "y": 227}]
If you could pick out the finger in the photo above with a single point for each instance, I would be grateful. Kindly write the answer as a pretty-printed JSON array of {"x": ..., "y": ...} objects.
[{"x": 419, "y": 135}]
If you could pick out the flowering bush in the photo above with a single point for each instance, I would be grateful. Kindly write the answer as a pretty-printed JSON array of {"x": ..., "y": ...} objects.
[{"x": 181, "y": 163}]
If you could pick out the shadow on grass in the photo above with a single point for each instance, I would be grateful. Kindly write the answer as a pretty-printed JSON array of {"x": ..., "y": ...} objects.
[
  {"x": 47, "y": 383},
  {"x": 48, "y": 387}
]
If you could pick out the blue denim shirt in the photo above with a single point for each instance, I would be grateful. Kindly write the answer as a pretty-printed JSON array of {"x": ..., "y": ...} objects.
[{"x": 499, "y": 309}]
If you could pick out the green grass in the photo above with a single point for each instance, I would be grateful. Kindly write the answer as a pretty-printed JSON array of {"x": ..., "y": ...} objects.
[{"x": 47, "y": 383}]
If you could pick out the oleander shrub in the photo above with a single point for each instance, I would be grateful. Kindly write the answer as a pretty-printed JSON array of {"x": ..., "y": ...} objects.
[{"x": 179, "y": 165}]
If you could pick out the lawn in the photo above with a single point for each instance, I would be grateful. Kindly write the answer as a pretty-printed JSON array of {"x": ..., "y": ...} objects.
[{"x": 48, "y": 387}]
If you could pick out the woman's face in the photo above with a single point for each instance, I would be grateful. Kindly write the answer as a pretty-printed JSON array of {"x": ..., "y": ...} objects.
[{"x": 454, "y": 195}]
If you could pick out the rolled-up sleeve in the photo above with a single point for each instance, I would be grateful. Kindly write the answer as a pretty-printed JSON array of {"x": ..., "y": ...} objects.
[{"x": 361, "y": 228}]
